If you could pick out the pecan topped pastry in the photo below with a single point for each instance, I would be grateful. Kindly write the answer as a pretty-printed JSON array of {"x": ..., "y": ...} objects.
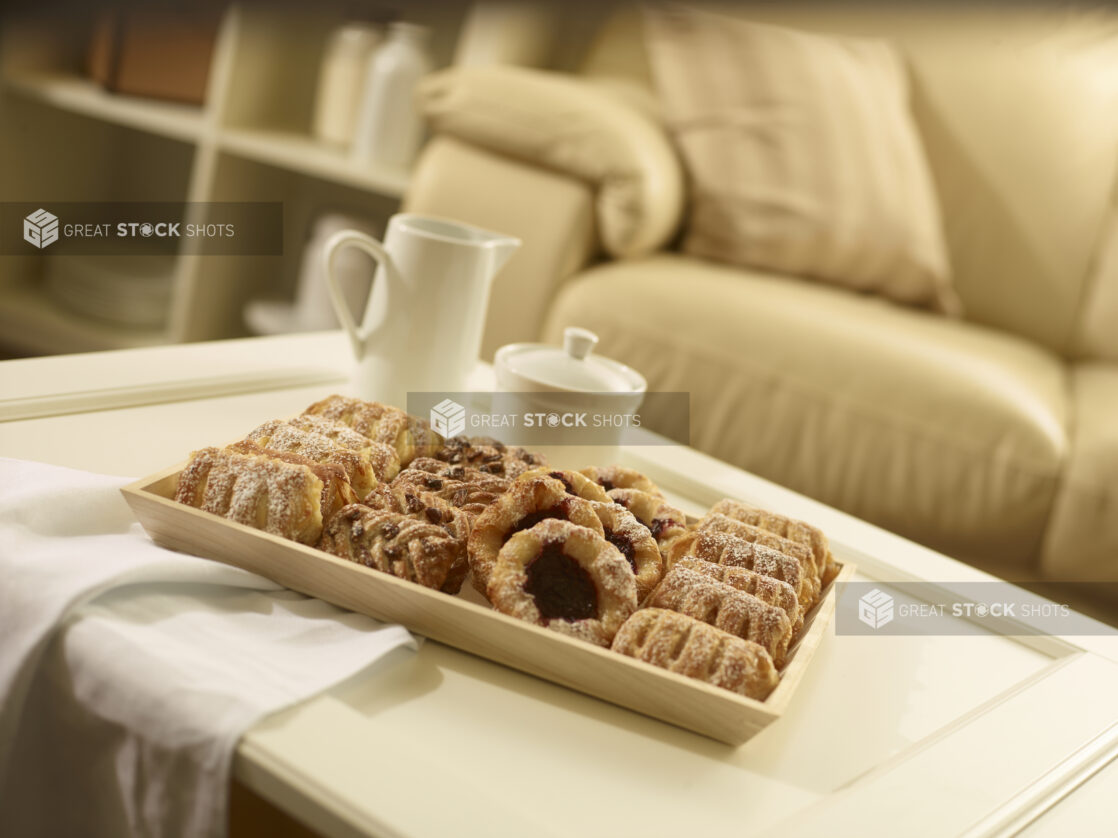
[
  {"x": 469, "y": 489},
  {"x": 686, "y": 646},
  {"x": 489, "y": 455},
  {"x": 525, "y": 504},
  {"x": 402, "y": 545},
  {"x": 564, "y": 577}
]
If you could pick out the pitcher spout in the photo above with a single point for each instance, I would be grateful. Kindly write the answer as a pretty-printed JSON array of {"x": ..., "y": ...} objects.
[{"x": 502, "y": 249}]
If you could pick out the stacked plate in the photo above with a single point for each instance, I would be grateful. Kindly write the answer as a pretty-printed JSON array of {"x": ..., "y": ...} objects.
[{"x": 132, "y": 291}]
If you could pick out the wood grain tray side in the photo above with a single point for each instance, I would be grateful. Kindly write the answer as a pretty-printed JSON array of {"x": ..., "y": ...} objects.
[{"x": 638, "y": 686}]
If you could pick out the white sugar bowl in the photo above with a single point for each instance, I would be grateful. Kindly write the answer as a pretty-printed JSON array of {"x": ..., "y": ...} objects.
[{"x": 573, "y": 368}]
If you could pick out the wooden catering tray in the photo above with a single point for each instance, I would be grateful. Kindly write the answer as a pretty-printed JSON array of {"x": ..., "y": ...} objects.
[{"x": 474, "y": 628}]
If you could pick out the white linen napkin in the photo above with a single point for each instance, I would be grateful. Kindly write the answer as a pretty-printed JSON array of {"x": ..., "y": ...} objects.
[{"x": 129, "y": 672}]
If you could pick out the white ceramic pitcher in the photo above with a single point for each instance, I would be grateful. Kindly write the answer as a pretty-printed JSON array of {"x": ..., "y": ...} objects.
[{"x": 423, "y": 322}]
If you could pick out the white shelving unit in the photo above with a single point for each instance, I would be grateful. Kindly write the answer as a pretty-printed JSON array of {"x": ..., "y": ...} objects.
[{"x": 250, "y": 141}]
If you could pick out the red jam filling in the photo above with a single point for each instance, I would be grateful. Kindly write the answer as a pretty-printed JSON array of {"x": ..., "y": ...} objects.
[
  {"x": 561, "y": 588},
  {"x": 624, "y": 544}
]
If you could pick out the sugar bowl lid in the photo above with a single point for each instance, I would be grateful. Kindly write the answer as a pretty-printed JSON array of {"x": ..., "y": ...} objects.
[{"x": 572, "y": 367}]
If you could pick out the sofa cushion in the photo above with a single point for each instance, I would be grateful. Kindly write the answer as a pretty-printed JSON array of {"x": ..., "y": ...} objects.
[
  {"x": 574, "y": 128},
  {"x": 803, "y": 155},
  {"x": 1082, "y": 540},
  {"x": 945, "y": 432}
]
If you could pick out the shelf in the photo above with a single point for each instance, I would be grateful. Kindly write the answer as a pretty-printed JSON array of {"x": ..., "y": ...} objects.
[
  {"x": 83, "y": 96},
  {"x": 32, "y": 323},
  {"x": 302, "y": 153}
]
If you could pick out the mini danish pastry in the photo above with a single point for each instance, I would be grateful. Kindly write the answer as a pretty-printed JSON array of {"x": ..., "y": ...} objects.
[
  {"x": 564, "y": 577},
  {"x": 716, "y": 522},
  {"x": 692, "y": 648},
  {"x": 575, "y": 483},
  {"x": 336, "y": 491},
  {"x": 664, "y": 521},
  {"x": 797, "y": 531},
  {"x": 384, "y": 459},
  {"x": 280, "y": 498},
  {"x": 524, "y": 505},
  {"x": 279, "y": 436},
  {"x": 619, "y": 477},
  {"x": 635, "y": 543},
  {"x": 725, "y": 607},
  {"x": 401, "y": 545},
  {"x": 725, "y": 549},
  {"x": 765, "y": 588},
  {"x": 409, "y": 436},
  {"x": 489, "y": 455}
]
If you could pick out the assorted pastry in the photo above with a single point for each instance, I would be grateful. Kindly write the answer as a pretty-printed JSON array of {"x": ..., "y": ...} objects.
[{"x": 600, "y": 554}]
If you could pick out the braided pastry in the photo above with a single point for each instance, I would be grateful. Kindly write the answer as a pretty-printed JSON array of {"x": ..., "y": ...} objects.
[
  {"x": 489, "y": 455},
  {"x": 336, "y": 491},
  {"x": 715, "y": 522},
  {"x": 725, "y": 549},
  {"x": 401, "y": 545},
  {"x": 664, "y": 521},
  {"x": 619, "y": 477},
  {"x": 409, "y": 436},
  {"x": 525, "y": 504},
  {"x": 723, "y": 606},
  {"x": 384, "y": 459},
  {"x": 688, "y": 647},
  {"x": 765, "y": 588},
  {"x": 279, "y": 436},
  {"x": 574, "y": 482},
  {"x": 280, "y": 498},
  {"x": 565, "y": 577},
  {"x": 797, "y": 531},
  {"x": 634, "y": 542}
]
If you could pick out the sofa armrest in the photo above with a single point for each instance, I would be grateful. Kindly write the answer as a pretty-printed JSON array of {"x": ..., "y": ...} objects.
[{"x": 571, "y": 127}]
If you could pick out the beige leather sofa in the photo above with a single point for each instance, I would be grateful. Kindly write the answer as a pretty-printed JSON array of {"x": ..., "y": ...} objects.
[{"x": 993, "y": 438}]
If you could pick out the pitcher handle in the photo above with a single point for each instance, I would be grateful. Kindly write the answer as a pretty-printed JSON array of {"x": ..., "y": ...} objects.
[{"x": 358, "y": 335}]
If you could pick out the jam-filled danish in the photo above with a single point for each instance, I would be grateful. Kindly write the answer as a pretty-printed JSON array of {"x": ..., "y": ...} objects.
[
  {"x": 525, "y": 504},
  {"x": 635, "y": 543},
  {"x": 575, "y": 483},
  {"x": 564, "y": 577},
  {"x": 620, "y": 477},
  {"x": 663, "y": 520}
]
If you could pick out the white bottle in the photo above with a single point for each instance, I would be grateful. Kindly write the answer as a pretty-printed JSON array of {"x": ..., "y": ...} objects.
[
  {"x": 389, "y": 125},
  {"x": 341, "y": 81}
]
